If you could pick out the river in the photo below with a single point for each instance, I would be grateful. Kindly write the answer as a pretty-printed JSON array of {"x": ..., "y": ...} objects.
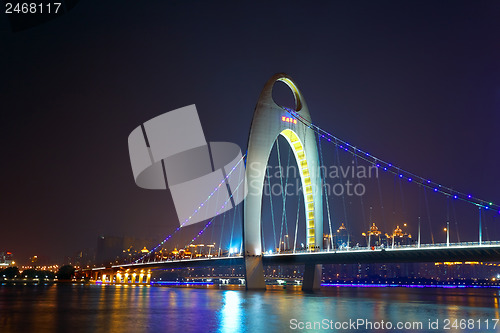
[{"x": 115, "y": 309}]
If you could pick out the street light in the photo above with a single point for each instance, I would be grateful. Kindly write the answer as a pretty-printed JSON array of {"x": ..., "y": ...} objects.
[
  {"x": 210, "y": 246},
  {"x": 448, "y": 233},
  {"x": 419, "y": 232}
]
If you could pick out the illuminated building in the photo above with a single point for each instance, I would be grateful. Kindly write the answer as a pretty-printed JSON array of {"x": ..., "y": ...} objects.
[
  {"x": 373, "y": 237},
  {"x": 111, "y": 249},
  {"x": 398, "y": 238},
  {"x": 341, "y": 237},
  {"x": 6, "y": 259}
]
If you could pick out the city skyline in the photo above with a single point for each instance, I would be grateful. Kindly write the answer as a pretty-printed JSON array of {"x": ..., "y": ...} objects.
[{"x": 396, "y": 82}]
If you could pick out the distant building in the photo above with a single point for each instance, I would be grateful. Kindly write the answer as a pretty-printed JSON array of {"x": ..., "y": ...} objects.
[
  {"x": 374, "y": 237},
  {"x": 398, "y": 238},
  {"x": 342, "y": 236},
  {"x": 82, "y": 258},
  {"x": 113, "y": 249},
  {"x": 339, "y": 239},
  {"x": 6, "y": 259}
]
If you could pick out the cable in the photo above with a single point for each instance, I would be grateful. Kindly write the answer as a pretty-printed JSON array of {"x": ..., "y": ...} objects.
[
  {"x": 326, "y": 194},
  {"x": 194, "y": 213},
  {"x": 272, "y": 209},
  {"x": 429, "y": 216},
  {"x": 296, "y": 226},
  {"x": 217, "y": 213},
  {"x": 411, "y": 177}
]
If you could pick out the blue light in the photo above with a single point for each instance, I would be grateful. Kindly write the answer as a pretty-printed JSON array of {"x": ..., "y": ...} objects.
[
  {"x": 438, "y": 188},
  {"x": 385, "y": 285},
  {"x": 486, "y": 207},
  {"x": 178, "y": 283}
]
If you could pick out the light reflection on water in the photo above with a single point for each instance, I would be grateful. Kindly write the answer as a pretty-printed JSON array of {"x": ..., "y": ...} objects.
[
  {"x": 230, "y": 315},
  {"x": 110, "y": 309}
]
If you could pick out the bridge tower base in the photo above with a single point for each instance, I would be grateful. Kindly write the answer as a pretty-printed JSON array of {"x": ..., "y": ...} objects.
[
  {"x": 254, "y": 273},
  {"x": 312, "y": 277}
]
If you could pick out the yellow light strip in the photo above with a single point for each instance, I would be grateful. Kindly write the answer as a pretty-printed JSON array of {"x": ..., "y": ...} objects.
[{"x": 299, "y": 152}]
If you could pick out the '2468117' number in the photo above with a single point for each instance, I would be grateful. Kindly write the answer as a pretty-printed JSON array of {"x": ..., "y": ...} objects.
[{"x": 32, "y": 8}]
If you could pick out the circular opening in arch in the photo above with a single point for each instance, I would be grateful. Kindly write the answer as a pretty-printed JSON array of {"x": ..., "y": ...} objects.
[{"x": 285, "y": 94}]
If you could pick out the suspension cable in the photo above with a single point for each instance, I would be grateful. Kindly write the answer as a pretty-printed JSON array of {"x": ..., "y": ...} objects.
[
  {"x": 384, "y": 222},
  {"x": 234, "y": 218},
  {"x": 456, "y": 220},
  {"x": 428, "y": 215},
  {"x": 228, "y": 200},
  {"x": 196, "y": 211},
  {"x": 271, "y": 202},
  {"x": 403, "y": 206},
  {"x": 326, "y": 193},
  {"x": 296, "y": 226},
  {"x": 341, "y": 181},
  {"x": 283, "y": 196},
  {"x": 386, "y": 166},
  {"x": 286, "y": 190},
  {"x": 363, "y": 214}
]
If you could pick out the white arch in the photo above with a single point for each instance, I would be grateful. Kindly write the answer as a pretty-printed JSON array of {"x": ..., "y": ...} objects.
[{"x": 269, "y": 121}]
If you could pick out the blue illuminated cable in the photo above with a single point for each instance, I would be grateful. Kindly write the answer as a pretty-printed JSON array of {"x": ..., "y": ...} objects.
[
  {"x": 386, "y": 166},
  {"x": 217, "y": 213},
  {"x": 194, "y": 213}
]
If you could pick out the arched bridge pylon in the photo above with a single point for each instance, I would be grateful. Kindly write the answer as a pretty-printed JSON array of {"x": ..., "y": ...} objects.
[{"x": 269, "y": 121}]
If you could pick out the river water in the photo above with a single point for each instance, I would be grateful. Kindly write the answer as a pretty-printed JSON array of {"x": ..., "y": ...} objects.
[{"x": 114, "y": 308}]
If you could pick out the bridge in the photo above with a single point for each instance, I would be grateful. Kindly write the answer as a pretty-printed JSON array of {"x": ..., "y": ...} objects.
[{"x": 319, "y": 242}]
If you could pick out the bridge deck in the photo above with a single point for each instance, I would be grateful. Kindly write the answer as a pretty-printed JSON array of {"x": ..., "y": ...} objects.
[
  {"x": 470, "y": 252},
  {"x": 409, "y": 254}
]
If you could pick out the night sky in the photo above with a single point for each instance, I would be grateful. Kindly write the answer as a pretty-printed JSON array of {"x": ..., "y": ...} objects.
[{"x": 413, "y": 82}]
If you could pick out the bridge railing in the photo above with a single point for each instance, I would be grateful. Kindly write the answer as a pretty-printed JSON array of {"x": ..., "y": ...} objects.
[
  {"x": 384, "y": 247},
  {"x": 333, "y": 250}
]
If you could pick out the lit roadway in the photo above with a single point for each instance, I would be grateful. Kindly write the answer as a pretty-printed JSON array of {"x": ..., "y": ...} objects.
[{"x": 469, "y": 251}]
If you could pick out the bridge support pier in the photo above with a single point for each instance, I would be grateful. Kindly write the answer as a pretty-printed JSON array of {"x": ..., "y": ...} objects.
[
  {"x": 312, "y": 277},
  {"x": 254, "y": 273}
]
